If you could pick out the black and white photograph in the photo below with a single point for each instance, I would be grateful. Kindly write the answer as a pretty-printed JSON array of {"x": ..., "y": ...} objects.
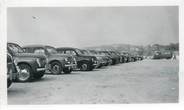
[{"x": 92, "y": 55}]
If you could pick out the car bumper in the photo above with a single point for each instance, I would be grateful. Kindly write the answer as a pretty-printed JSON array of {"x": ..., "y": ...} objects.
[
  {"x": 70, "y": 66},
  {"x": 40, "y": 69}
]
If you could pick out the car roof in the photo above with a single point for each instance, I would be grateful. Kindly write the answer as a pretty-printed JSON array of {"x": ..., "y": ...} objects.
[
  {"x": 64, "y": 48},
  {"x": 12, "y": 43},
  {"x": 36, "y": 46}
]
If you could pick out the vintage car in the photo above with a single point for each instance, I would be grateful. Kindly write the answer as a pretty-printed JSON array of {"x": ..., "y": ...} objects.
[
  {"x": 56, "y": 62},
  {"x": 125, "y": 57},
  {"x": 113, "y": 56},
  {"x": 84, "y": 62},
  {"x": 162, "y": 55},
  {"x": 11, "y": 70},
  {"x": 106, "y": 57},
  {"x": 132, "y": 57},
  {"x": 99, "y": 58},
  {"x": 104, "y": 60},
  {"x": 139, "y": 57},
  {"x": 118, "y": 54},
  {"x": 29, "y": 66},
  {"x": 129, "y": 57}
]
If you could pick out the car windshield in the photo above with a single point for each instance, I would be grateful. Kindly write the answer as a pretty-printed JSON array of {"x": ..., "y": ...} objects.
[
  {"x": 15, "y": 48},
  {"x": 85, "y": 52},
  {"x": 101, "y": 53},
  {"x": 79, "y": 52},
  {"x": 51, "y": 50},
  {"x": 105, "y": 52},
  {"x": 93, "y": 52}
]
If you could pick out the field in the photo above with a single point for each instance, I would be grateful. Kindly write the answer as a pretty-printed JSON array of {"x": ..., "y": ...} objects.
[{"x": 147, "y": 81}]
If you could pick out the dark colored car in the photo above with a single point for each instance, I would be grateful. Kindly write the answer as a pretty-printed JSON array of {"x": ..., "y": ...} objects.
[
  {"x": 139, "y": 57},
  {"x": 132, "y": 58},
  {"x": 106, "y": 57},
  {"x": 118, "y": 54},
  {"x": 103, "y": 59},
  {"x": 162, "y": 55},
  {"x": 114, "y": 57},
  {"x": 11, "y": 70},
  {"x": 56, "y": 62},
  {"x": 29, "y": 66},
  {"x": 84, "y": 62},
  {"x": 100, "y": 60},
  {"x": 125, "y": 56},
  {"x": 128, "y": 57}
]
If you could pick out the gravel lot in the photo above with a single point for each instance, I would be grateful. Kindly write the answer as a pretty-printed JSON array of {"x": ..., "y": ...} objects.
[{"x": 147, "y": 81}]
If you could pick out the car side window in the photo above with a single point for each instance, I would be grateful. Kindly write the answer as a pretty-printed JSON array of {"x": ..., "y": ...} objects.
[
  {"x": 28, "y": 50},
  {"x": 70, "y": 52},
  {"x": 39, "y": 51},
  {"x": 61, "y": 52}
]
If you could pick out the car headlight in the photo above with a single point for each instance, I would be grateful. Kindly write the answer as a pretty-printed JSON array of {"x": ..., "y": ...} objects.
[
  {"x": 74, "y": 60},
  {"x": 66, "y": 59},
  {"x": 92, "y": 59}
]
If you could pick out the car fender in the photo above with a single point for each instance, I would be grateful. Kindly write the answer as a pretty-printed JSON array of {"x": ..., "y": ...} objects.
[
  {"x": 29, "y": 61},
  {"x": 61, "y": 61}
]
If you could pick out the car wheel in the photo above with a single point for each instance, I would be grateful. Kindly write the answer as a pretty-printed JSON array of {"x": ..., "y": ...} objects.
[
  {"x": 39, "y": 75},
  {"x": 113, "y": 62},
  {"x": 67, "y": 70},
  {"x": 90, "y": 68},
  {"x": 56, "y": 68},
  {"x": 25, "y": 73},
  {"x": 84, "y": 67},
  {"x": 106, "y": 64}
]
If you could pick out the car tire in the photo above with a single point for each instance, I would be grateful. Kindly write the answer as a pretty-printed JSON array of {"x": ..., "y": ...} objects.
[
  {"x": 113, "y": 62},
  {"x": 39, "y": 75},
  {"x": 100, "y": 66},
  {"x": 56, "y": 68},
  {"x": 85, "y": 67},
  {"x": 67, "y": 70},
  {"x": 25, "y": 73},
  {"x": 91, "y": 68},
  {"x": 106, "y": 64}
]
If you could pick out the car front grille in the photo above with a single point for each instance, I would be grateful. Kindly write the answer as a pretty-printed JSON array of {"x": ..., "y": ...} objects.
[{"x": 42, "y": 62}]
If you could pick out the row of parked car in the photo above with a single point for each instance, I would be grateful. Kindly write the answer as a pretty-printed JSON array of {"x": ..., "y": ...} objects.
[{"x": 30, "y": 62}]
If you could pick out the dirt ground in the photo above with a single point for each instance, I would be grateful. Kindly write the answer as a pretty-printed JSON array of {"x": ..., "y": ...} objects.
[{"x": 147, "y": 81}]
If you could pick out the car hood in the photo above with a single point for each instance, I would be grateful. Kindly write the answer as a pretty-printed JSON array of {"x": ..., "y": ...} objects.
[
  {"x": 92, "y": 56},
  {"x": 61, "y": 55},
  {"x": 89, "y": 56},
  {"x": 30, "y": 55}
]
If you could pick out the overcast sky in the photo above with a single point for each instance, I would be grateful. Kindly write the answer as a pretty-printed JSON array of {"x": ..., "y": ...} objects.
[{"x": 93, "y": 26}]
